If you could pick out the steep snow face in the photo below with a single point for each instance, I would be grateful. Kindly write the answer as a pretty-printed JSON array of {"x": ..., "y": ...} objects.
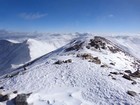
[
  {"x": 38, "y": 48},
  {"x": 12, "y": 54},
  {"x": 87, "y": 71},
  {"x": 129, "y": 43}
]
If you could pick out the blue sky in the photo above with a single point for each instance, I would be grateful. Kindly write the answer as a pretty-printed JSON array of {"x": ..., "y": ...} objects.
[{"x": 70, "y": 15}]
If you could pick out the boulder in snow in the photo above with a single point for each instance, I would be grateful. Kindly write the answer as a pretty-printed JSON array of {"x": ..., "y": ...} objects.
[
  {"x": 134, "y": 83},
  {"x": 136, "y": 74},
  {"x": 4, "y": 98},
  {"x": 128, "y": 71},
  {"x": 21, "y": 99},
  {"x": 58, "y": 62},
  {"x": 127, "y": 77},
  {"x": 131, "y": 93}
]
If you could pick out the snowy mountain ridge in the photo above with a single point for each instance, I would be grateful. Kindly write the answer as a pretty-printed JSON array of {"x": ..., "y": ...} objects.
[
  {"x": 91, "y": 69},
  {"x": 128, "y": 43},
  {"x": 45, "y": 43},
  {"x": 20, "y": 51}
]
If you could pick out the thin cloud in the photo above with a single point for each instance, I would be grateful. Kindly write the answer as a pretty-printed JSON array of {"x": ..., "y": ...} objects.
[
  {"x": 110, "y": 15},
  {"x": 32, "y": 16}
]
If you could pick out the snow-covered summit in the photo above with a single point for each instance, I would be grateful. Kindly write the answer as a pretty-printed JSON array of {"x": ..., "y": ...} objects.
[{"x": 87, "y": 71}]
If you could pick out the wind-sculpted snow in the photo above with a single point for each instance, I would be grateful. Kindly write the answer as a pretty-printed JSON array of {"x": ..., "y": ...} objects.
[{"x": 87, "y": 71}]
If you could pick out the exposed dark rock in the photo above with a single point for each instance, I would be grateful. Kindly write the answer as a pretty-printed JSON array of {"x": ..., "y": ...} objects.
[
  {"x": 58, "y": 62},
  {"x": 97, "y": 46},
  {"x": 113, "y": 78},
  {"x": 104, "y": 65},
  {"x": 96, "y": 61},
  {"x": 68, "y": 61},
  {"x": 85, "y": 56},
  {"x": 115, "y": 73},
  {"x": 65, "y": 61},
  {"x": 12, "y": 75},
  {"x": 97, "y": 43},
  {"x": 4, "y": 98},
  {"x": 89, "y": 57},
  {"x": 103, "y": 47},
  {"x": 112, "y": 64},
  {"x": 92, "y": 42},
  {"x": 78, "y": 55},
  {"x": 15, "y": 92},
  {"x": 132, "y": 93},
  {"x": 1, "y": 87},
  {"x": 95, "y": 58},
  {"x": 127, "y": 77},
  {"x": 121, "y": 73},
  {"x": 101, "y": 43},
  {"x": 24, "y": 68},
  {"x": 136, "y": 74},
  {"x": 128, "y": 71},
  {"x": 114, "y": 49},
  {"x": 21, "y": 99},
  {"x": 88, "y": 47},
  {"x": 109, "y": 75},
  {"x": 77, "y": 46},
  {"x": 134, "y": 83}
]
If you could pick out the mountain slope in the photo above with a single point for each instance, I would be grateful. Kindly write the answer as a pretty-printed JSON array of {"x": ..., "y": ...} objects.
[
  {"x": 87, "y": 71},
  {"x": 12, "y": 55},
  {"x": 15, "y": 52},
  {"x": 130, "y": 43}
]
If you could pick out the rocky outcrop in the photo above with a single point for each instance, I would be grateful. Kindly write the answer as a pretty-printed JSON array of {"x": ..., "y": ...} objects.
[
  {"x": 85, "y": 56},
  {"x": 1, "y": 87},
  {"x": 136, "y": 74},
  {"x": 67, "y": 61},
  {"x": 58, "y": 62},
  {"x": 64, "y": 61},
  {"x": 76, "y": 46},
  {"x": 97, "y": 43},
  {"x": 132, "y": 93},
  {"x": 128, "y": 71},
  {"x": 115, "y": 73},
  {"x": 102, "y": 43},
  {"x": 88, "y": 56},
  {"x": 21, "y": 99},
  {"x": 4, "y": 98},
  {"x": 104, "y": 65},
  {"x": 134, "y": 83},
  {"x": 95, "y": 60},
  {"x": 127, "y": 77},
  {"x": 112, "y": 63}
]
